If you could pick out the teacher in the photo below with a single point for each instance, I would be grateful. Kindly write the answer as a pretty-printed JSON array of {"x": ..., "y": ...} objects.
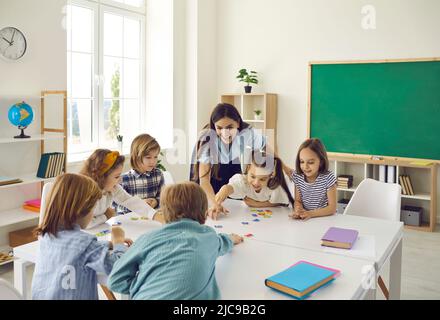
[{"x": 224, "y": 146}]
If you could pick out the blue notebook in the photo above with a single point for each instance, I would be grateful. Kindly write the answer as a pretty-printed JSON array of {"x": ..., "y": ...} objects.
[{"x": 301, "y": 279}]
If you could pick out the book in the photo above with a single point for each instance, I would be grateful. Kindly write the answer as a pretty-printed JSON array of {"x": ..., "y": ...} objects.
[
  {"x": 404, "y": 192},
  {"x": 421, "y": 163},
  {"x": 301, "y": 279},
  {"x": 339, "y": 238},
  {"x": 7, "y": 180},
  {"x": 33, "y": 203},
  {"x": 31, "y": 208},
  {"x": 44, "y": 159},
  {"x": 391, "y": 174},
  {"x": 382, "y": 173},
  {"x": 408, "y": 182}
]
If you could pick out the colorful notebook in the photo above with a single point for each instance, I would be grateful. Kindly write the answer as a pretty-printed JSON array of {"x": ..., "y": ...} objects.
[
  {"x": 33, "y": 203},
  {"x": 301, "y": 279},
  {"x": 339, "y": 238}
]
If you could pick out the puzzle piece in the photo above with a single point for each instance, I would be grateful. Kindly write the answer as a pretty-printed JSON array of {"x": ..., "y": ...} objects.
[
  {"x": 117, "y": 223},
  {"x": 249, "y": 235},
  {"x": 144, "y": 218},
  {"x": 256, "y": 220},
  {"x": 134, "y": 218},
  {"x": 244, "y": 222},
  {"x": 218, "y": 226},
  {"x": 254, "y": 215}
]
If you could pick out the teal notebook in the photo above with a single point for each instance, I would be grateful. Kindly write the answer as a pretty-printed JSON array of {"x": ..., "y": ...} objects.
[{"x": 301, "y": 279}]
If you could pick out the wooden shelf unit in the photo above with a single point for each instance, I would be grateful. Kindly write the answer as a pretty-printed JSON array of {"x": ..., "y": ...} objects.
[
  {"x": 424, "y": 179},
  {"x": 15, "y": 217},
  {"x": 246, "y": 103}
]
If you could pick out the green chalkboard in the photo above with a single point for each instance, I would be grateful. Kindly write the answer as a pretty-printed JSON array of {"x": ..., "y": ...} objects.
[{"x": 384, "y": 109}]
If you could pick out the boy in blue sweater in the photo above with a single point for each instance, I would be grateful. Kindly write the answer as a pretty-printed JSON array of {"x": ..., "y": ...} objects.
[{"x": 177, "y": 261}]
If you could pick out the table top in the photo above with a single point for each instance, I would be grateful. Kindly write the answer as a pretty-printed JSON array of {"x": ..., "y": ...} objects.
[{"x": 277, "y": 242}]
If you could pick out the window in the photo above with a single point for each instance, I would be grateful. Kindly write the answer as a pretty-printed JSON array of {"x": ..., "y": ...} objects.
[{"x": 105, "y": 58}]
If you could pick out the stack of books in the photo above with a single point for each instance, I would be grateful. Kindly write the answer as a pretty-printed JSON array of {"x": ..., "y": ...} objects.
[
  {"x": 301, "y": 279},
  {"x": 32, "y": 205},
  {"x": 405, "y": 183},
  {"x": 345, "y": 181},
  {"x": 51, "y": 165},
  {"x": 7, "y": 180},
  {"x": 339, "y": 238}
]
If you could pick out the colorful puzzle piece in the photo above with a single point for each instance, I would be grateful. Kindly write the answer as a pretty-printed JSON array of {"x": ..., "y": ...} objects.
[
  {"x": 144, "y": 218},
  {"x": 256, "y": 220},
  {"x": 254, "y": 215},
  {"x": 244, "y": 222},
  {"x": 218, "y": 226},
  {"x": 249, "y": 235},
  {"x": 134, "y": 218},
  {"x": 102, "y": 233}
]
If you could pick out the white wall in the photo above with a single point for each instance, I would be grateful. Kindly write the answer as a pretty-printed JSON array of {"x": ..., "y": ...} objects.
[
  {"x": 43, "y": 67},
  {"x": 278, "y": 38}
]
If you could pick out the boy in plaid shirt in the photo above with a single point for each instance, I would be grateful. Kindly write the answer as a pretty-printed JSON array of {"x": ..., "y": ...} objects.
[{"x": 144, "y": 179}]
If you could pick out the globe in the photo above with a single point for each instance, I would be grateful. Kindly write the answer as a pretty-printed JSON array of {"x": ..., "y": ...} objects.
[{"x": 21, "y": 116}]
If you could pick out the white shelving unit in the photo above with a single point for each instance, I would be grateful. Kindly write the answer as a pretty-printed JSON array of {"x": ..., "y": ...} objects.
[
  {"x": 424, "y": 179},
  {"x": 11, "y": 219}
]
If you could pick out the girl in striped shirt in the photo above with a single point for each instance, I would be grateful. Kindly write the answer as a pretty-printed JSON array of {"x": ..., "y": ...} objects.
[{"x": 315, "y": 185}]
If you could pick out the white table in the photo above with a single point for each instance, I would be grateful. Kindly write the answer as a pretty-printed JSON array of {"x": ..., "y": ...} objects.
[
  {"x": 281, "y": 230},
  {"x": 278, "y": 242}
]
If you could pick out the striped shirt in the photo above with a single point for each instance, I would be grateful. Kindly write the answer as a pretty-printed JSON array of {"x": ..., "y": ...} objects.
[
  {"x": 144, "y": 185},
  {"x": 314, "y": 195},
  {"x": 67, "y": 265}
]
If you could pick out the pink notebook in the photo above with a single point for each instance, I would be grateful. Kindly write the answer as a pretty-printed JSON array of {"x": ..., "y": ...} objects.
[{"x": 34, "y": 203}]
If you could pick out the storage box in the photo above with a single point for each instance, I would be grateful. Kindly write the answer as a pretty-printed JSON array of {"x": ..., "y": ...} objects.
[
  {"x": 342, "y": 204},
  {"x": 411, "y": 216},
  {"x": 23, "y": 236}
]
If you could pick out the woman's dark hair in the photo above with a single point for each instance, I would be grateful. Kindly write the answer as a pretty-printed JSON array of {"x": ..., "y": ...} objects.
[
  {"x": 222, "y": 110},
  {"x": 261, "y": 159},
  {"x": 317, "y": 147}
]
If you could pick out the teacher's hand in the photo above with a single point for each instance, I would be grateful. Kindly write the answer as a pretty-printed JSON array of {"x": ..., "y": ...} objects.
[{"x": 216, "y": 210}]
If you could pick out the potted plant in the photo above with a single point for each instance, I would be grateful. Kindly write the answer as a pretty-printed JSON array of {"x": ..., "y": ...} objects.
[
  {"x": 258, "y": 114},
  {"x": 159, "y": 164},
  {"x": 119, "y": 138},
  {"x": 248, "y": 77}
]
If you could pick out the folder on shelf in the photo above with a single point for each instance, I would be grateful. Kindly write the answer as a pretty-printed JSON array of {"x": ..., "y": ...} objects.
[
  {"x": 391, "y": 174},
  {"x": 402, "y": 184},
  {"x": 339, "y": 238},
  {"x": 301, "y": 279},
  {"x": 31, "y": 208},
  {"x": 410, "y": 187},
  {"x": 382, "y": 173}
]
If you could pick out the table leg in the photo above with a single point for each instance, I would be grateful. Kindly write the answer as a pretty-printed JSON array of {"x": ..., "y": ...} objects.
[
  {"x": 20, "y": 277},
  {"x": 396, "y": 272}
]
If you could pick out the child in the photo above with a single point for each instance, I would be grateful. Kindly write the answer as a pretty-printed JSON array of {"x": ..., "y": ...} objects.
[
  {"x": 105, "y": 167},
  {"x": 69, "y": 259},
  {"x": 315, "y": 186},
  {"x": 261, "y": 185},
  {"x": 144, "y": 179},
  {"x": 178, "y": 260}
]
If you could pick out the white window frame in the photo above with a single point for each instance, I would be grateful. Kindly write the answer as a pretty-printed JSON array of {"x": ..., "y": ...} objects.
[{"x": 99, "y": 7}]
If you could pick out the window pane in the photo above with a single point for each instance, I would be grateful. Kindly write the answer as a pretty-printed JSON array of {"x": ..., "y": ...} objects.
[
  {"x": 79, "y": 122},
  {"x": 131, "y": 79},
  {"x": 135, "y": 3},
  {"x": 131, "y": 38},
  {"x": 69, "y": 74},
  {"x": 82, "y": 22},
  {"x": 112, "y": 35},
  {"x": 112, "y": 113},
  {"x": 81, "y": 75},
  {"x": 130, "y": 119},
  {"x": 112, "y": 77},
  {"x": 69, "y": 27}
]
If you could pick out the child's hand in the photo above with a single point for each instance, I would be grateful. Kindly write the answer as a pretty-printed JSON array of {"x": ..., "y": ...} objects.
[
  {"x": 251, "y": 202},
  {"x": 236, "y": 239},
  {"x": 296, "y": 213},
  {"x": 220, "y": 196},
  {"x": 306, "y": 215},
  {"x": 159, "y": 217},
  {"x": 118, "y": 235},
  {"x": 128, "y": 242},
  {"x": 151, "y": 202},
  {"x": 110, "y": 213},
  {"x": 216, "y": 210}
]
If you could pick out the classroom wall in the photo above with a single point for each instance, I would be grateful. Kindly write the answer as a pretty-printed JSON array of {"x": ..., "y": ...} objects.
[
  {"x": 278, "y": 38},
  {"x": 43, "y": 67}
]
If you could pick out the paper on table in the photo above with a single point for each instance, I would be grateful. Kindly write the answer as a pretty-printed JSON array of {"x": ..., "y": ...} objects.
[
  {"x": 364, "y": 247},
  {"x": 139, "y": 206},
  {"x": 133, "y": 225}
]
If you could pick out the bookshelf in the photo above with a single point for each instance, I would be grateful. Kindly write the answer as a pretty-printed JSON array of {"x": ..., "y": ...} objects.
[
  {"x": 247, "y": 103},
  {"x": 52, "y": 136},
  {"x": 423, "y": 179}
]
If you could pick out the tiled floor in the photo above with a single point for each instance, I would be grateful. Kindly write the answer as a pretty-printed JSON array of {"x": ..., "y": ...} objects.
[{"x": 420, "y": 268}]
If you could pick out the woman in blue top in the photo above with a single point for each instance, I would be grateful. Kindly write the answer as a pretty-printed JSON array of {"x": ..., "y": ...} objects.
[{"x": 223, "y": 147}]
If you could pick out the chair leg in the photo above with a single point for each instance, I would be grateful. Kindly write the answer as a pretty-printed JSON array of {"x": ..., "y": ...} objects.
[
  {"x": 383, "y": 287},
  {"x": 108, "y": 293}
]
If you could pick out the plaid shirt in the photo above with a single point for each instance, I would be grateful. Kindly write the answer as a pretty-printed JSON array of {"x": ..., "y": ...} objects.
[{"x": 144, "y": 185}]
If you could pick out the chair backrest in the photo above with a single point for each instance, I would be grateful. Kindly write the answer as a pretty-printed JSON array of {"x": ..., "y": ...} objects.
[
  {"x": 168, "y": 178},
  {"x": 44, "y": 197},
  {"x": 375, "y": 199},
  {"x": 8, "y": 292}
]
